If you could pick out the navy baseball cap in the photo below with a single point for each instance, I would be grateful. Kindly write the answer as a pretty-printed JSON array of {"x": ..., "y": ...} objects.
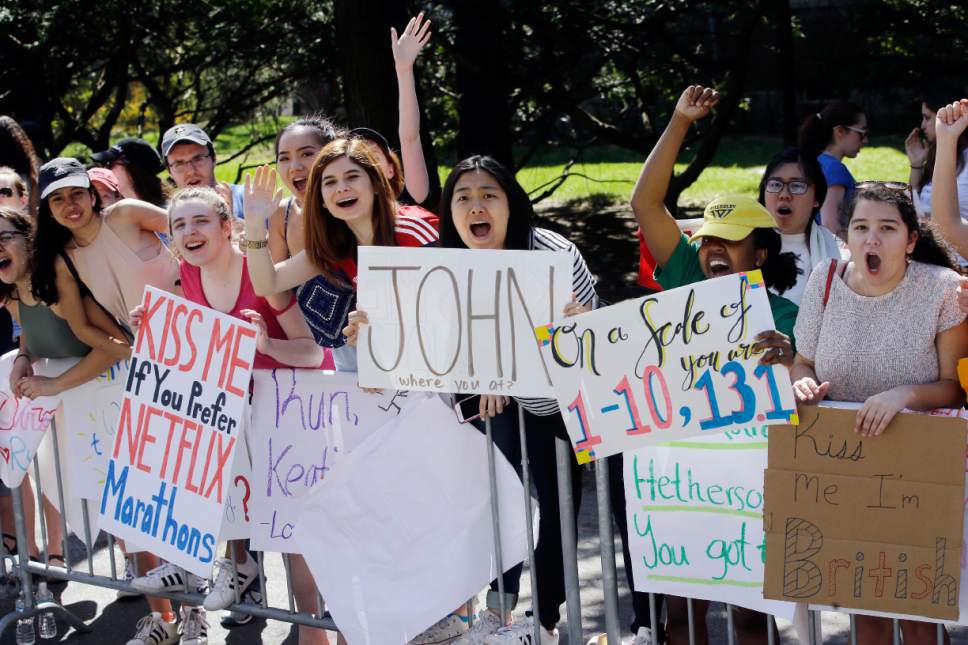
[{"x": 132, "y": 151}]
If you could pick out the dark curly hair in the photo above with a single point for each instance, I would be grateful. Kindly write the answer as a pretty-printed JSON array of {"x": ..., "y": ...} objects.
[{"x": 780, "y": 269}]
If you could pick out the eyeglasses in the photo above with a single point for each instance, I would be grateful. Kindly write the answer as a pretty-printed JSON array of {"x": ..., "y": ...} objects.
[
  {"x": 861, "y": 131},
  {"x": 795, "y": 186},
  {"x": 193, "y": 162},
  {"x": 7, "y": 237},
  {"x": 6, "y": 192}
]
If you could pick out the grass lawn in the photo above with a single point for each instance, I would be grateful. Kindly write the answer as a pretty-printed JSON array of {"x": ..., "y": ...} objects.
[
  {"x": 605, "y": 172},
  {"x": 736, "y": 168}
]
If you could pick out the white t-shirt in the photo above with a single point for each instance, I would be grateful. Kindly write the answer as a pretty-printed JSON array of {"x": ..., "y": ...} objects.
[
  {"x": 922, "y": 200},
  {"x": 796, "y": 243}
]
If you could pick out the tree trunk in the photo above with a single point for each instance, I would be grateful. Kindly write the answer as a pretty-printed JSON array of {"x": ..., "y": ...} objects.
[
  {"x": 484, "y": 117},
  {"x": 786, "y": 68},
  {"x": 369, "y": 80}
]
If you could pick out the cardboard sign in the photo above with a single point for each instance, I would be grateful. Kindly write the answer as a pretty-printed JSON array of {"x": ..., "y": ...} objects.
[
  {"x": 91, "y": 417},
  {"x": 178, "y": 427},
  {"x": 666, "y": 367},
  {"x": 695, "y": 517},
  {"x": 408, "y": 515},
  {"x": 23, "y": 423},
  {"x": 303, "y": 424},
  {"x": 866, "y": 522},
  {"x": 458, "y": 320}
]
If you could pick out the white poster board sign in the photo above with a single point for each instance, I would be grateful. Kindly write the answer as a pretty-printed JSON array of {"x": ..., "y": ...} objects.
[
  {"x": 303, "y": 424},
  {"x": 178, "y": 428},
  {"x": 695, "y": 518},
  {"x": 91, "y": 416},
  {"x": 407, "y": 515},
  {"x": 23, "y": 423},
  {"x": 667, "y": 366},
  {"x": 458, "y": 320}
]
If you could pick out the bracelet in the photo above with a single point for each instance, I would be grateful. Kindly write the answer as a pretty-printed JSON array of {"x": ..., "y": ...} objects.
[
  {"x": 246, "y": 243},
  {"x": 921, "y": 167},
  {"x": 22, "y": 355}
]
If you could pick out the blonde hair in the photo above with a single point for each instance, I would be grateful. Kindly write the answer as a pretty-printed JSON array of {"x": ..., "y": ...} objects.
[{"x": 207, "y": 196}]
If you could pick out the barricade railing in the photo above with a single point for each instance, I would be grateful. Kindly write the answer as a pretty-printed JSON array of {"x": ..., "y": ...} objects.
[{"x": 24, "y": 569}]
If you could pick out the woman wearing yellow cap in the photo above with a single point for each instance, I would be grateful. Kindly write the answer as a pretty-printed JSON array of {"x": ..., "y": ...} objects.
[{"x": 737, "y": 235}]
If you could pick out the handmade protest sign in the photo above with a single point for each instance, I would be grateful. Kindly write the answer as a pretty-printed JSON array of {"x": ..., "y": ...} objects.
[
  {"x": 866, "y": 522},
  {"x": 184, "y": 399},
  {"x": 91, "y": 417},
  {"x": 695, "y": 518},
  {"x": 458, "y": 320},
  {"x": 667, "y": 366},
  {"x": 407, "y": 515},
  {"x": 237, "y": 518},
  {"x": 303, "y": 424},
  {"x": 23, "y": 423}
]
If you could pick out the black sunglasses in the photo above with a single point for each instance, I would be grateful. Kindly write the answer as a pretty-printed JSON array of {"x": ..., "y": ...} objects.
[{"x": 6, "y": 191}]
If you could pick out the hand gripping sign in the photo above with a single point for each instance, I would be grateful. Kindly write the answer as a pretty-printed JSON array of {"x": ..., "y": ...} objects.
[{"x": 178, "y": 428}]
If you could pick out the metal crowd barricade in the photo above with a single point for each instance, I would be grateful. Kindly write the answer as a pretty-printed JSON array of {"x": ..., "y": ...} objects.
[
  {"x": 613, "y": 629},
  {"x": 25, "y": 569}
]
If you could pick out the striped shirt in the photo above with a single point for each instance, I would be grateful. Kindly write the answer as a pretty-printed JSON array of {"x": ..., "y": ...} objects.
[{"x": 582, "y": 285}]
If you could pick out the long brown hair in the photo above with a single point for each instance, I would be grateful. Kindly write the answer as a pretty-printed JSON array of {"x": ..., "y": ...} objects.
[{"x": 328, "y": 239}]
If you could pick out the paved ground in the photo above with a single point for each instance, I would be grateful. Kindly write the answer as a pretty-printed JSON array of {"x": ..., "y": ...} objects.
[{"x": 113, "y": 620}]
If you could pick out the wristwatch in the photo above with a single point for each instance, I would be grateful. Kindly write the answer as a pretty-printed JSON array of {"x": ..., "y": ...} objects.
[{"x": 254, "y": 244}]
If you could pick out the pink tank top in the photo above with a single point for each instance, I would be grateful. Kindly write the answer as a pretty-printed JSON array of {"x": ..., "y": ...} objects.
[{"x": 191, "y": 282}]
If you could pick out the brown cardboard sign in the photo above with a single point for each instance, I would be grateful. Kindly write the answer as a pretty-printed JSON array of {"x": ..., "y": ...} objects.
[{"x": 866, "y": 522}]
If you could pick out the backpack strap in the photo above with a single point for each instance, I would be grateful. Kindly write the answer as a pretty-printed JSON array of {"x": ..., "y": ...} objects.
[{"x": 833, "y": 270}]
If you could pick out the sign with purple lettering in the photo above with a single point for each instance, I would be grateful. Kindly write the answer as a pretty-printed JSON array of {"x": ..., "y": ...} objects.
[
  {"x": 666, "y": 366},
  {"x": 303, "y": 422},
  {"x": 458, "y": 320},
  {"x": 184, "y": 400}
]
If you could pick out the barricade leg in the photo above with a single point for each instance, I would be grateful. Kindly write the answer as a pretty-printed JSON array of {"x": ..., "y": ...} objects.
[
  {"x": 529, "y": 521},
  {"x": 730, "y": 626},
  {"x": 569, "y": 542},
  {"x": 607, "y": 541},
  {"x": 495, "y": 517}
]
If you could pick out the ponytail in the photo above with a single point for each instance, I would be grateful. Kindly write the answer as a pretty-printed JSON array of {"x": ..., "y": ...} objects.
[
  {"x": 780, "y": 269},
  {"x": 817, "y": 130},
  {"x": 930, "y": 247}
]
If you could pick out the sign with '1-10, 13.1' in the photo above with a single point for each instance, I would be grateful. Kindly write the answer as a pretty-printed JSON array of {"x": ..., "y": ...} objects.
[{"x": 667, "y": 366}]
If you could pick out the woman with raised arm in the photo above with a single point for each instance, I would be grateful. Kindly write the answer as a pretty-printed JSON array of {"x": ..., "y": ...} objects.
[
  {"x": 901, "y": 278},
  {"x": 947, "y": 195},
  {"x": 839, "y": 130},
  {"x": 348, "y": 204},
  {"x": 737, "y": 235},
  {"x": 116, "y": 250}
]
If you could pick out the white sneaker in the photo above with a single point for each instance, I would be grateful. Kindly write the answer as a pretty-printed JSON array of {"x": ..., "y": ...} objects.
[
  {"x": 447, "y": 628},
  {"x": 642, "y": 637},
  {"x": 194, "y": 626},
  {"x": 168, "y": 577},
  {"x": 154, "y": 630},
  {"x": 486, "y": 624},
  {"x": 522, "y": 633},
  {"x": 128, "y": 578},
  {"x": 223, "y": 591}
]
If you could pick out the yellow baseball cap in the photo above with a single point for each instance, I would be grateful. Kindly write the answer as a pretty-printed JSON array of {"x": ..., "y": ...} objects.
[{"x": 733, "y": 218}]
